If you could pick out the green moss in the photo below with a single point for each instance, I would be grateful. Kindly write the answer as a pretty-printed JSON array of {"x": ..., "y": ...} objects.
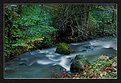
[
  {"x": 78, "y": 64},
  {"x": 63, "y": 48}
]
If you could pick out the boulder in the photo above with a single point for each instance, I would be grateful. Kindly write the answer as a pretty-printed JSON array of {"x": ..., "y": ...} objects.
[
  {"x": 78, "y": 64},
  {"x": 63, "y": 48}
]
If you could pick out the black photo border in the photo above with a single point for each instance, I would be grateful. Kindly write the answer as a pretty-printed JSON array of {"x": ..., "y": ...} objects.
[{"x": 118, "y": 80}]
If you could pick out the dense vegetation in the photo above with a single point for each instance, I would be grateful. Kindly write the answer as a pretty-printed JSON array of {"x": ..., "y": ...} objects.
[{"x": 29, "y": 27}]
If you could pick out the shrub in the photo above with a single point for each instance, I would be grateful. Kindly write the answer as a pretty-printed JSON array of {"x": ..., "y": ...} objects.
[{"x": 47, "y": 42}]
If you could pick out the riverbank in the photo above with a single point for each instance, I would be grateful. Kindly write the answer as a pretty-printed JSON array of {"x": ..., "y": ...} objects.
[
  {"x": 33, "y": 64},
  {"x": 37, "y": 43},
  {"x": 104, "y": 67}
]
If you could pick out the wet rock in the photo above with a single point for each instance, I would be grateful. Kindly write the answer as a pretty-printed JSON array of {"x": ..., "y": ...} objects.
[
  {"x": 63, "y": 48},
  {"x": 78, "y": 64}
]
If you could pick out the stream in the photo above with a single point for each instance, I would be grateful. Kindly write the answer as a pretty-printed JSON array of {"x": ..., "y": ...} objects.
[{"x": 44, "y": 63}]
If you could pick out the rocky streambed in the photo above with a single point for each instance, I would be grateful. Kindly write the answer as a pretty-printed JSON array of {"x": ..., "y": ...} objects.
[{"x": 46, "y": 62}]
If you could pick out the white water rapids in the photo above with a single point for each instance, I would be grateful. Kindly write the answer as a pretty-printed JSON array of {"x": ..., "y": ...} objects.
[{"x": 40, "y": 63}]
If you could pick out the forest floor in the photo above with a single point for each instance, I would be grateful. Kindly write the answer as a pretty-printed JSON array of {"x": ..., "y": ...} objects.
[{"x": 104, "y": 67}]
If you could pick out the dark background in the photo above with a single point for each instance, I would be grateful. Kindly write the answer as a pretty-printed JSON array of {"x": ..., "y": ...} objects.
[{"x": 118, "y": 80}]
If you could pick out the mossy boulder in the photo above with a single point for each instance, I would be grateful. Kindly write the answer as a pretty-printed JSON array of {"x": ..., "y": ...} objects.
[
  {"x": 78, "y": 64},
  {"x": 63, "y": 48}
]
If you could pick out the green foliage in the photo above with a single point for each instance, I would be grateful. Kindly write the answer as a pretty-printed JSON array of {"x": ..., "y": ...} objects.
[
  {"x": 30, "y": 14},
  {"x": 26, "y": 23},
  {"x": 12, "y": 32},
  {"x": 40, "y": 30},
  {"x": 104, "y": 18},
  {"x": 63, "y": 48},
  {"x": 34, "y": 14},
  {"x": 25, "y": 27},
  {"x": 85, "y": 21},
  {"x": 47, "y": 42}
]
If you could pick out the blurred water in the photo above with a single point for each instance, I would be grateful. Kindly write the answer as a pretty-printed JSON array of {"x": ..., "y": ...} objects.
[{"x": 43, "y": 63}]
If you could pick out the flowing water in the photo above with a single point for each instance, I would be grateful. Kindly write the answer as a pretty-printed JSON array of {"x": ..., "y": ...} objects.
[{"x": 44, "y": 63}]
